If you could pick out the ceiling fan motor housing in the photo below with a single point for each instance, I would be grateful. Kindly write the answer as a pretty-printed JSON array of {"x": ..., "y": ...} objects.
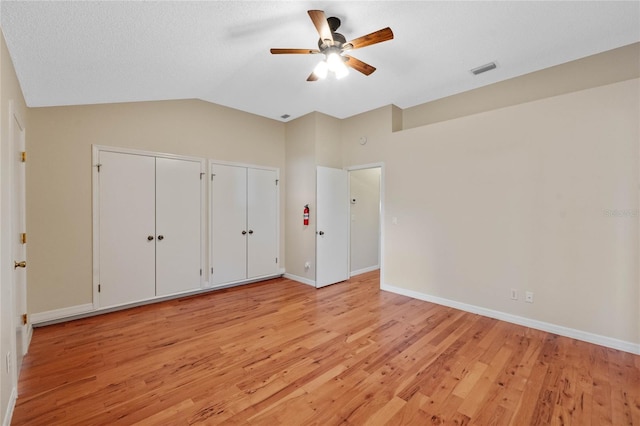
[{"x": 338, "y": 39}]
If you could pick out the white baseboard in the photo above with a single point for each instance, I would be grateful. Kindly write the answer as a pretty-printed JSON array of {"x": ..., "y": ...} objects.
[
  {"x": 364, "y": 270},
  {"x": 10, "y": 406},
  {"x": 29, "y": 336},
  {"x": 302, "y": 280},
  {"x": 597, "y": 339},
  {"x": 57, "y": 314}
]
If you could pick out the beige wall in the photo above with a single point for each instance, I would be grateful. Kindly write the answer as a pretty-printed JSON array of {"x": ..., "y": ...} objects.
[
  {"x": 312, "y": 140},
  {"x": 524, "y": 197},
  {"x": 300, "y": 240},
  {"x": 9, "y": 92},
  {"x": 59, "y": 141}
]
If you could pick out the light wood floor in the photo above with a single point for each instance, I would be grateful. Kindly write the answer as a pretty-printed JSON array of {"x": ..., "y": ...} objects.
[{"x": 281, "y": 352}]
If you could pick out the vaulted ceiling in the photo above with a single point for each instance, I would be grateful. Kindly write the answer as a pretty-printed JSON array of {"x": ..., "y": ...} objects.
[{"x": 87, "y": 52}]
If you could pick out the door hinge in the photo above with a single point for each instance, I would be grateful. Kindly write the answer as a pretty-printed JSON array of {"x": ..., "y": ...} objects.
[
  {"x": 23, "y": 238},
  {"x": 201, "y": 175},
  {"x": 99, "y": 288},
  {"x": 200, "y": 271},
  {"x": 277, "y": 180},
  {"x": 24, "y": 319},
  {"x": 276, "y": 260},
  {"x": 23, "y": 156},
  {"x": 212, "y": 175},
  {"x": 211, "y": 271},
  {"x": 98, "y": 167}
]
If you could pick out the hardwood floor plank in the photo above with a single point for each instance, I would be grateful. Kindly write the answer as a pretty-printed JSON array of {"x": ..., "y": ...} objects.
[{"x": 279, "y": 352}]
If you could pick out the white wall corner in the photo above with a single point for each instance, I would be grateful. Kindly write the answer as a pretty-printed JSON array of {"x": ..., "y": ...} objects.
[
  {"x": 597, "y": 339},
  {"x": 10, "y": 406},
  {"x": 300, "y": 279}
]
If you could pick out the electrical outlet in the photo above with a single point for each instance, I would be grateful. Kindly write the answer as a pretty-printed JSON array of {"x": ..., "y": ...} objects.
[
  {"x": 307, "y": 265},
  {"x": 528, "y": 297},
  {"x": 514, "y": 294}
]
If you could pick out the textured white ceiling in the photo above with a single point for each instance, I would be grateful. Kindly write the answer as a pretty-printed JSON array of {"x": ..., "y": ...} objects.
[{"x": 86, "y": 52}]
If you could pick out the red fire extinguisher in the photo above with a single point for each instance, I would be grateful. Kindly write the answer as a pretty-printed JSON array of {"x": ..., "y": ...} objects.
[{"x": 305, "y": 215}]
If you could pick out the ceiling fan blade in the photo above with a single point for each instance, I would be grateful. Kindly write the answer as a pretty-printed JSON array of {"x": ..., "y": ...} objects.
[
  {"x": 297, "y": 51},
  {"x": 320, "y": 21},
  {"x": 312, "y": 77},
  {"x": 358, "y": 65},
  {"x": 379, "y": 36}
]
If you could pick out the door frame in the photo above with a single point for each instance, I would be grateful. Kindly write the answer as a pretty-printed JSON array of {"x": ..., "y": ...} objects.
[
  {"x": 95, "y": 200},
  {"x": 17, "y": 137},
  {"x": 382, "y": 204}
]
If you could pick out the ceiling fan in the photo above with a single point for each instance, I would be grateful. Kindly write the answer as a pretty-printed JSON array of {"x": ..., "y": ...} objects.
[{"x": 333, "y": 45}]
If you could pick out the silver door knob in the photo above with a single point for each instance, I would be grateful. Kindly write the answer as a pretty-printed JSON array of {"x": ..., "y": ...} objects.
[
  {"x": 244, "y": 232},
  {"x": 250, "y": 231},
  {"x": 150, "y": 238},
  {"x": 321, "y": 232},
  {"x": 160, "y": 237}
]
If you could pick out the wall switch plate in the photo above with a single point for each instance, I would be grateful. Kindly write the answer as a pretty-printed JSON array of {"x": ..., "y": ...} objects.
[
  {"x": 528, "y": 297},
  {"x": 514, "y": 294}
]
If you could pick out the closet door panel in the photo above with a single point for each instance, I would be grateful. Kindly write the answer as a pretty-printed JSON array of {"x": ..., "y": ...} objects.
[
  {"x": 228, "y": 222},
  {"x": 262, "y": 208},
  {"x": 178, "y": 226},
  {"x": 127, "y": 218}
]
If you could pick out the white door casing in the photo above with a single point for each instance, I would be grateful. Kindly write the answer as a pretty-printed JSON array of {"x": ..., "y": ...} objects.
[
  {"x": 228, "y": 223},
  {"x": 262, "y": 222},
  {"x": 18, "y": 229},
  {"x": 127, "y": 228},
  {"x": 178, "y": 226},
  {"x": 332, "y": 226}
]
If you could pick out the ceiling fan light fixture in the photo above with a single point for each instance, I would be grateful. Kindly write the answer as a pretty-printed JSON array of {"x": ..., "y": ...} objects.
[
  {"x": 334, "y": 61},
  {"x": 336, "y": 65},
  {"x": 342, "y": 71},
  {"x": 321, "y": 70}
]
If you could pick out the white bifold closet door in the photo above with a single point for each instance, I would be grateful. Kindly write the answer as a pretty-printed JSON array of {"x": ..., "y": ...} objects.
[
  {"x": 127, "y": 220},
  {"x": 150, "y": 227},
  {"x": 229, "y": 223},
  {"x": 244, "y": 223},
  {"x": 262, "y": 222},
  {"x": 178, "y": 220}
]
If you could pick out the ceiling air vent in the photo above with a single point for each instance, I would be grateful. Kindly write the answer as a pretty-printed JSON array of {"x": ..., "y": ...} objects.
[
  {"x": 285, "y": 116},
  {"x": 484, "y": 68}
]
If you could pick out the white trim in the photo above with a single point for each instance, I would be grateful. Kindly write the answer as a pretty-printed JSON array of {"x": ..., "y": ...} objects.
[
  {"x": 382, "y": 213},
  {"x": 29, "y": 336},
  {"x": 57, "y": 314},
  {"x": 364, "y": 270},
  {"x": 247, "y": 165},
  {"x": 146, "y": 153},
  {"x": 585, "y": 336},
  {"x": 87, "y": 310},
  {"x": 10, "y": 406},
  {"x": 302, "y": 280}
]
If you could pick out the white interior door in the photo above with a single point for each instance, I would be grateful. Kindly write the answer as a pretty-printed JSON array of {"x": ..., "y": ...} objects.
[
  {"x": 127, "y": 228},
  {"x": 262, "y": 212},
  {"x": 18, "y": 232},
  {"x": 332, "y": 229},
  {"x": 228, "y": 223},
  {"x": 178, "y": 226}
]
